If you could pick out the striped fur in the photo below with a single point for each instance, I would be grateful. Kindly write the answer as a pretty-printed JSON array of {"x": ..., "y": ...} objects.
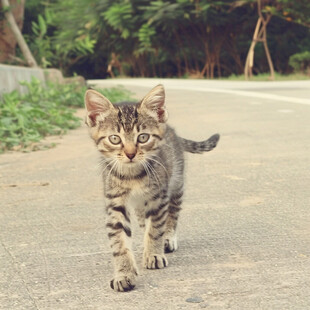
[
  {"x": 200, "y": 147},
  {"x": 142, "y": 175}
]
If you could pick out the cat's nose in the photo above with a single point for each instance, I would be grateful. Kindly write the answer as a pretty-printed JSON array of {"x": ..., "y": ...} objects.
[{"x": 130, "y": 155}]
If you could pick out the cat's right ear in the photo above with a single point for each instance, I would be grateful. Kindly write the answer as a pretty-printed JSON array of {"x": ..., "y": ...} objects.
[{"x": 96, "y": 104}]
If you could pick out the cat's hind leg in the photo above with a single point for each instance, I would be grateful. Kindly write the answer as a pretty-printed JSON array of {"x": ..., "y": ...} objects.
[{"x": 171, "y": 241}]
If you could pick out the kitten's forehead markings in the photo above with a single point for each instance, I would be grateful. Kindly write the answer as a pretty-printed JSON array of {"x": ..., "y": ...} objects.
[{"x": 128, "y": 117}]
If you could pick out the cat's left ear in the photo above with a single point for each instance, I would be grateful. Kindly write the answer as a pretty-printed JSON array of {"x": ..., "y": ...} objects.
[
  {"x": 96, "y": 104},
  {"x": 154, "y": 102}
]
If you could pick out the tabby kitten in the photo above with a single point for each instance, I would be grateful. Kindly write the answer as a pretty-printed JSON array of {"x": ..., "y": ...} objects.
[{"x": 143, "y": 174}]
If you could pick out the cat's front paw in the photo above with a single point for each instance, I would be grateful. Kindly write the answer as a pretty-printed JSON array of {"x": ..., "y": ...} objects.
[
  {"x": 123, "y": 283},
  {"x": 171, "y": 244},
  {"x": 155, "y": 261}
]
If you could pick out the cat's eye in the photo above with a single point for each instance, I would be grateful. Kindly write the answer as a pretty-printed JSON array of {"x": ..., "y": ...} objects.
[
  {"x": 114, "y": 139},
  {"x": 144, "y": 137}
]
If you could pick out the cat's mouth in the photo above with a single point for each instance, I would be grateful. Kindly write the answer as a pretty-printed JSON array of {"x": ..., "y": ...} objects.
[
  {"x": 127, "y": 161},
  {"x": 131, "y": 162}
]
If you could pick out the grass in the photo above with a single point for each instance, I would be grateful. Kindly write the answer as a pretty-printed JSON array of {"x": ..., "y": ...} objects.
[
  {"x": 266, "y": 77},
  {"x": 25, "y": 119}
]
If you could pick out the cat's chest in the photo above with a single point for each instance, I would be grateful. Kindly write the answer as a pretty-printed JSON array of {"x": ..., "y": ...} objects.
[
  {"x": 137, "y": 198},
  {"x": 136, "y": 187}
]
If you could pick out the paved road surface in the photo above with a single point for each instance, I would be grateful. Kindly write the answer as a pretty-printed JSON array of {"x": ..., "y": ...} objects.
[{"x": 244, "y": 231}]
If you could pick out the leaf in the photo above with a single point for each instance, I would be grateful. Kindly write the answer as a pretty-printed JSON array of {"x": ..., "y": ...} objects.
[
  {"x": 125, "y": 33},
  {"x": 42, "y": 25},
  {"x": 35, "y": 28},
  {"x": 48, "y": 16}
]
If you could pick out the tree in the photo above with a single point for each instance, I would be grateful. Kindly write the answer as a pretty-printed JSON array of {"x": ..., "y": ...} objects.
[
  {"x": 17, "y": 33},
  {"x": 200, "y": 38},
  {"x": 7, "y": 38},
  {"x": 260, "y": 35},
  {"x": 291, "y": 11}
]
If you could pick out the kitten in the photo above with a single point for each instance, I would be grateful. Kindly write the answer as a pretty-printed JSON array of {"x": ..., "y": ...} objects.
[{"x": 143, "y": 174}]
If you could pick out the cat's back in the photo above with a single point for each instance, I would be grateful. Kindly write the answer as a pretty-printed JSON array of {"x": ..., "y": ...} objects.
[
  {"x": 172, "y": 149},
  {"x": 173, "y": 140}
]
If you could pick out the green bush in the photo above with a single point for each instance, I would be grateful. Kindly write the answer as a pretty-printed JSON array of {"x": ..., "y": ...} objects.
[
  {"x": 25, "y": 119},
  {"x": 300, "y": 62},
  {"x": 116, "y": 94}
]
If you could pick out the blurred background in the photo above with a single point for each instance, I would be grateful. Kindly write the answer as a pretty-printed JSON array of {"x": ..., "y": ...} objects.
[{"x": 176, "y": 38}]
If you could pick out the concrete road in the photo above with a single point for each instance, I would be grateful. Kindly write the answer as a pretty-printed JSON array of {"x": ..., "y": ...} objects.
[{"x": 245, "y": 227}]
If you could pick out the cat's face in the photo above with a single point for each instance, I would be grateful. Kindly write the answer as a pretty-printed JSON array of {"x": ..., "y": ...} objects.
[{"x": 126, "y": 134}]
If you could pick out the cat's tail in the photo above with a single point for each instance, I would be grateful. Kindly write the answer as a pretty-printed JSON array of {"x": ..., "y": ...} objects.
[{"x": 200, "y": 147}]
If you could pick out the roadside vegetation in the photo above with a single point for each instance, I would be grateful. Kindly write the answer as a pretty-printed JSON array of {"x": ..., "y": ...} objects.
[
  {"x": 140, "y": 38},
  {"x": 45, "y": 110},
  {"x": 175, "y": 38},
  {"x": 266, "y": 77}
]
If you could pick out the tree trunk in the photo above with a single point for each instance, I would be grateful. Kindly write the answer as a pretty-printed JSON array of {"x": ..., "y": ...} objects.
[
  {"x": 7, "y": 38},
  {"x": 212, "y": 66},
  {"x": 250, "y": 57},
  {"x": 268, "y": 55},
  {"x": 153, "y": 68},
  {"x": 17, "y": 34},
  {"x": 178, "y": 61},
  {"x": 182, "y": 52},
  {"x": 232, "y": 48},
  {"x": 260, "y": 35},
  {"x": 218, "y": 65}
]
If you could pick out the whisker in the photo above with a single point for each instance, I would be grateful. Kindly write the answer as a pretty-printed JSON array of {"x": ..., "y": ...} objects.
[
  {"x": 146, "y": 170},
  {"x": 102, "y": 161},
  {"x": 154, "y": 173},
  {"x": 107, "y": 164},
  {"x": 112, "y": 168},
  {"x": 158, "y": 162}
]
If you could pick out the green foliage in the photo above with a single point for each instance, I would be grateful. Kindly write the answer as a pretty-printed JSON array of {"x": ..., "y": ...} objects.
[
  {"x": 43, "y": 111},
  {"x": 118, "y": 16},
  {"x": 40, "y": 43},
  {"x": 291, "y": 11},
  {"x": 205, "y": 38},
  {"x": 25, "y": 119},
  {"x": 116, "y": 94},
  {"x": 300, "y": 62},
  {"x": 52, "y": 44},
  {"x": 145, "y": 34}
]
